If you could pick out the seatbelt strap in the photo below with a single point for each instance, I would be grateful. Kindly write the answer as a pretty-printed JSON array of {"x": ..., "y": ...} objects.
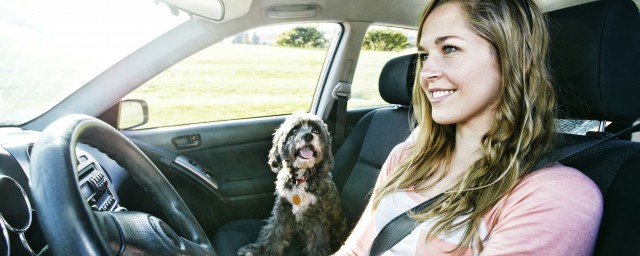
[
  {"x": 402, "y": 225},
  {"x": 563, "y": 153},
  {"x": 398, "y": 228},
  {"x": 341, "y": 93}
]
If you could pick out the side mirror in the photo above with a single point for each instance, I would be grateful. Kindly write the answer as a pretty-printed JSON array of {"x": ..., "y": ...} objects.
[{"x": 133, "y": 113}]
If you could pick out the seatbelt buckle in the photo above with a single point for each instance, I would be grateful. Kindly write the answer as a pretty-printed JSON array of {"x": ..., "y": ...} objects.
[{"x": 342, "y": 90}]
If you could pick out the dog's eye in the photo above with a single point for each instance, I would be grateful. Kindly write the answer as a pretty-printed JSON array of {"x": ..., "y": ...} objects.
[{"x": 294, "y": 130}]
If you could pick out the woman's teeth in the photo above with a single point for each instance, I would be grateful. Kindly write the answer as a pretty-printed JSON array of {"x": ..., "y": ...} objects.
[{"x": 438, "y": 94}]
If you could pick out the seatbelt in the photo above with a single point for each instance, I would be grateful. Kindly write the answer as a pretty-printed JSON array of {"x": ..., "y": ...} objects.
[
  {"x": 563, "y": 153},
  {"x": 398, "y": 228},
  {"x": 341, "y": 93},
  {"x": 402, "y": 225}
]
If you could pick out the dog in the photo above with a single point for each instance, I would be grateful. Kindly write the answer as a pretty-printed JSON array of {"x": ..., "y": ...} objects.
[{"x": 307, "y": 205}]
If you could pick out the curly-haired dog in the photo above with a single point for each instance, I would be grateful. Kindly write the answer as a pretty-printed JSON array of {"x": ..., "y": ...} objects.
[{"x": 307, "y": 206}]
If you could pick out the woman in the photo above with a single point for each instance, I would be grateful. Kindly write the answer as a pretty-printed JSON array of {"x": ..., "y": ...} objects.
[{"x": 484, "y": 108}]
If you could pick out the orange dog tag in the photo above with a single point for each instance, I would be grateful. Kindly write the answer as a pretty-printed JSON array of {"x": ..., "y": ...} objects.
[{"x": 296, "y": 199}]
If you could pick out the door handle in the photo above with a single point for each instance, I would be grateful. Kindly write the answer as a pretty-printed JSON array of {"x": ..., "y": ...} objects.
[{"x": 187, "y": 141}]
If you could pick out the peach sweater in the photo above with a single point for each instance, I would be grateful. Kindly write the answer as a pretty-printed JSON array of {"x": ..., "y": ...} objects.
[{"x": 553, "y": 211}]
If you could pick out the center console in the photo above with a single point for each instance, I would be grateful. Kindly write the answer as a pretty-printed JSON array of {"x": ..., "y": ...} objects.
[{"x": 95, "y": 185}]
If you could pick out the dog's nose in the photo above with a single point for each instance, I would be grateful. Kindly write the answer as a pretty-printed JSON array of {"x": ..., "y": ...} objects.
[{"x": 307, "y": 137}]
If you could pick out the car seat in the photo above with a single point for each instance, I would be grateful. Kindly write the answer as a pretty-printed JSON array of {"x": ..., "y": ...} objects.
[{"x": 595, "y": 59}]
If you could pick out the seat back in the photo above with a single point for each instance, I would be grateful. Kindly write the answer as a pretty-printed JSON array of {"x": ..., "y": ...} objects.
[
  {"x": 595, "y": 58},
  {"x": 359, "y": 159}
]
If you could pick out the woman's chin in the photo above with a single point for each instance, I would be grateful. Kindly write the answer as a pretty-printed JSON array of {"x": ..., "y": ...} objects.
[{"x": 443, "y": 118}]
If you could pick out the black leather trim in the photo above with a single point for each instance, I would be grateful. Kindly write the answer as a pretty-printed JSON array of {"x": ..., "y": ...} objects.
[
  {"x": 397, "y": 78},
  {"x": 619, "y": 226},
  {"x": 347, "y": 156}
]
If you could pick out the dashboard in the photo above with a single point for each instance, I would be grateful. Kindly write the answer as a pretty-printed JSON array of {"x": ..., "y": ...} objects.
[{"x": 99, "y": 178}]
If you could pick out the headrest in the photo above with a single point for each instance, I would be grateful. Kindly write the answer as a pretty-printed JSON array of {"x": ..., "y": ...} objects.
[
  {"x": 595, "y": 60},
  {"x": 397, "y": 78}
]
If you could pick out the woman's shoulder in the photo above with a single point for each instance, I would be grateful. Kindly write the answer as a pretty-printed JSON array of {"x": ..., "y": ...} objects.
[
  {"x": 401, "y": 150},
  {"x": 558, "y": 176},
  {"x": 559, "y": 186},
  {"x": 546, "y": 205},
  {"x": 397, "y": 154}
]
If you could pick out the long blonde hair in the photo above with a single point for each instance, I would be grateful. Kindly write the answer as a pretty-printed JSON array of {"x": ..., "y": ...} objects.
[{"x": 522, "y": 130}]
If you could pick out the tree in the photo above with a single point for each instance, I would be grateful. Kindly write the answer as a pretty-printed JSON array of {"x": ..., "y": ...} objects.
[
  {"x": 237, "y": 39},
  {"x": 245, "y": 39},
  {"x": 255, "y": 39},
  {"x": 303, "y": 37},
  {"x": 385, "y": 40}
]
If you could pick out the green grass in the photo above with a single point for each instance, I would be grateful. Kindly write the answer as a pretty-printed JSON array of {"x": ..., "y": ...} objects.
[{"x": 226, "y": 82}]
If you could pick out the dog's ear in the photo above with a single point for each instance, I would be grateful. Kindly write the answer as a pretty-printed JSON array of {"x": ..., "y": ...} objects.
[
  {"x": 327, "y": 135},
  {"x": 328, "y": 146},
  {"x": 275, "y": 153},
  {"x": 275, "y": 159}
]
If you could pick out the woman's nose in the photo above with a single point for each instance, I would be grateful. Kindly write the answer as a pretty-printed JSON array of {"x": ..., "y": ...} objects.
[{"x": 431, "y": 69}]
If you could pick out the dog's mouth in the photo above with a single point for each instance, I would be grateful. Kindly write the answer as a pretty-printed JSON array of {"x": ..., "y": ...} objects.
[
  {"x": 299, "y": 180},
  {"x": 306, "y": 152}
]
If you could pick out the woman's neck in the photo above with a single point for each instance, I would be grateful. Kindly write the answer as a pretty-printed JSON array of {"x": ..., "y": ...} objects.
[{"x": 467, "y": 148}]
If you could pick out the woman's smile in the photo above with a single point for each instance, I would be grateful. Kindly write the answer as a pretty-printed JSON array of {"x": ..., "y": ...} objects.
[{"x": 438, "y": 95}]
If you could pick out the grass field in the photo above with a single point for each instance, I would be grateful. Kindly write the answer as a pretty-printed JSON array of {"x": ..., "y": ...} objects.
[{"x": 226, "y": 82}]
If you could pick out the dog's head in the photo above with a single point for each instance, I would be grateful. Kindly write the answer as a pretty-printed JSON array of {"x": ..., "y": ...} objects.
[{"x": 301, "y": 142}]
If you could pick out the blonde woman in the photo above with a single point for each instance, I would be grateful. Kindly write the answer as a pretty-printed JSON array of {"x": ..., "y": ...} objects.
[{"x": 484, "y": 108}]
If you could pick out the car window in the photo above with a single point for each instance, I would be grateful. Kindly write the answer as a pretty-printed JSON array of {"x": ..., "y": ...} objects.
[
  {"x": 381, "y": 44},
  {"x": 52, "y": 48},
  {"x": 262, "y": 72}
]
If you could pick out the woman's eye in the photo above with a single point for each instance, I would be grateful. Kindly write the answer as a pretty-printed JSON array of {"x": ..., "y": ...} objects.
[
  {"x": 423, "y": 56},
  {"x": 449, "y": 49}
]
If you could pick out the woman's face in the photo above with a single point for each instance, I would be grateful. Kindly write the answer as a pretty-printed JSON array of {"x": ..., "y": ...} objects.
[{"x": 460, "y": 76}]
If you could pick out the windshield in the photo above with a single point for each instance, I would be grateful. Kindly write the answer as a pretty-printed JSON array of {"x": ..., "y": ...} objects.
[{"x": 52, "y": 48}]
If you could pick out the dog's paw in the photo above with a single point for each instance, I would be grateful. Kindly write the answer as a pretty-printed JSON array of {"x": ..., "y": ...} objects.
[{"x": 249, "y": 250}]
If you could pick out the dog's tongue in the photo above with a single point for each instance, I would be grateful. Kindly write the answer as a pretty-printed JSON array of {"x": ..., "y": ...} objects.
[{"x": 306, "y": 152}]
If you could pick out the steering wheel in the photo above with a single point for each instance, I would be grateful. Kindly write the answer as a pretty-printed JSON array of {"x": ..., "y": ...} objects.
[{"x": 72, "y": 228}]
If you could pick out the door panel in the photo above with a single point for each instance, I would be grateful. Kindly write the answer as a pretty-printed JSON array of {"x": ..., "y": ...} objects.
[{"x": 226, "y": 177}]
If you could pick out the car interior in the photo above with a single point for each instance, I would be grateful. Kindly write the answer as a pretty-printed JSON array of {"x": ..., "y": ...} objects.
[{"x": 220, "y": 170}]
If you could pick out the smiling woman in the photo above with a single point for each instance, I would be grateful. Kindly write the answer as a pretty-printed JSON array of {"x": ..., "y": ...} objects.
[{"x": 58, "y": 46}]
